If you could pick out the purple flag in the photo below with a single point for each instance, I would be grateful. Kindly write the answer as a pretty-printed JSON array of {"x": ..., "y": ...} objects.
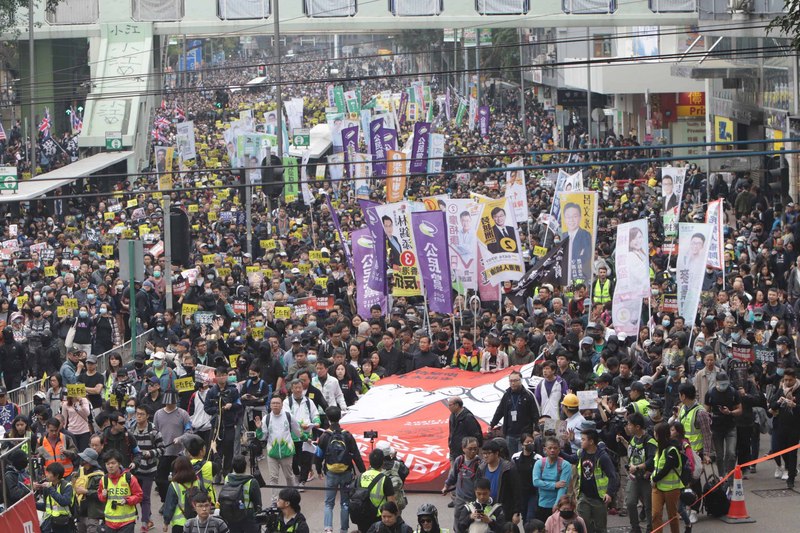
[
  {"x": 349, "y": 144},
  {"x": 345, "y": 246},
  {"x": 389, "y": 139},
  {"x": 401, "y": 113},
  {"x": 377, "y": 148},
  {"x": 364, "y": 247},
  {"x": 377, "y": 279},
  {"x": 447, "y": 104},
  {"x": 483, "y": 119},
  {"x": 419, "y": 150},
  {"x": 430, "y": 238}
]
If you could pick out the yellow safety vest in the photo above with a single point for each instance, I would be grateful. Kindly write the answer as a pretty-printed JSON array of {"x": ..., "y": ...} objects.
[
  {"x": 641, "y": 406},
  {"x": 602, "y": 294},
  {"x": 52, "y": 507},
  {"x": 688, "y": 418},
  {"x": 600, "y": 477},
  {"x": 121, "y": 513},
  {"x": 179, "y": 518},
  {"x": 206, "y": 475},
  {"x": 672, "y": 481},
  {"x": 376, "y": 495}
]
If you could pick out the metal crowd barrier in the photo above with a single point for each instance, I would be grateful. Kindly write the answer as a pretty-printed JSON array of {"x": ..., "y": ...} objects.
[{"x": 23, "y": 396}]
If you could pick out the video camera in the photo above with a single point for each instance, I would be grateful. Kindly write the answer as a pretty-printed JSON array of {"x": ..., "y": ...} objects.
[{"x": 268, "y": 518}]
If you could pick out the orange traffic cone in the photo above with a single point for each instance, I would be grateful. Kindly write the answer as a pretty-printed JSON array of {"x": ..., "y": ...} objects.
[{"x": 737, "y": 512}]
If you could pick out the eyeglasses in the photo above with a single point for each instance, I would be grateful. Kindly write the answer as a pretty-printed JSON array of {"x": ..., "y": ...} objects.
[
  {"x": 426, "y": 520},
  {"x": 515, "y": 380}
]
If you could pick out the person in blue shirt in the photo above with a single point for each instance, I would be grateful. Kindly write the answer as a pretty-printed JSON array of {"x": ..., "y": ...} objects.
[{"x": 552, "y": 476}]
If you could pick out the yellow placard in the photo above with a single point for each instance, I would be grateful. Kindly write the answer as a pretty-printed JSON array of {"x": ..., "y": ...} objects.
[
  {"x": 110, "y": 263},
  {"x": 50, "y": 272},
  {"x": 233, "y": 358},
  {"x": 208, "y": 259},
  {"x": 223, "y": 272},
  {"x": 133, "y": 202},
  {"x": 268, "y": 244},
  {"x": 253, "y": 269},
  {"x": 267, "y": 273},
  {"x": 71, "y": 303},
  {"x": 315, "y": 255},
  {"x": 22, "y": 299},
  {"x": 189, "y": 309},
  {"x": 77, "y": 390},
  {"x": 194, "y": 208},
  {"x": 539, "y": 251},
  {"x": 196, "y": 227},
  {"x": 283, "y": 313},
  {"x": 157, "y": 196},
  {"x": 212, "y": 216},
  {"x": 63, "y": 312},
  {"x": 108, "y": 250},
  {"x": 223, "y": 193},
  {"x": 297, "y": 234},
  {"x": 257, "y": 333},
  {"x": 108, "y": 215},
  {"x": 321, "y": 281},
  {"x": 184, "y": 384},
  {"x": 128, "y": 233},
  {"x": 286, "y": 264},
  {"x": 304, "y": 268}
]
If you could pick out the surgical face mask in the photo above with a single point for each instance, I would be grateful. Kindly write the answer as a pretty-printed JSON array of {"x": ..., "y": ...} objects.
[
  {"x": 736, "y": 336},
  {"x": 235, "y": 325},
  {"x": 665, "y": 322},
  {"x": 654, "y": 414},
  {"x": 538, "y": 311},
  {"x": 312, "y": 324},
  {"x": 779, "y": 371},
  {"x": 722, "y": 386},
  {"x": 130, "y": 410},
  {"x": 673, "y": 373},
  {"x": 159, "y": 328},
  {"x": 773, "y": 323},
  {"x": 529, "y": 447},
  {"x": 187, "y": 320},
  {"x": 210, "y": 277},
  {"x": 37, "y": 298},
  {"x": 119, "y": 288},
  {"x": 209, "y": 291},
  {"x": 156, "y": 274},
  {"x": 91, "y": 297},
  {"x": 83, "y": 314},
  {"x": 259, "y": 324},
  {"x": 232, "y": 380},
  {"x": 158, "y": 363},
  {"x": 567, "y": 514},
  {"x": 103, "y": 310},
  {"x": 76, "y": 252}
]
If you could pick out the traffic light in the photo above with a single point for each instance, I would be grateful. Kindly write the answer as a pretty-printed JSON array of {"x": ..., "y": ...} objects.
[
  {"x": 262, "y": 71},
  {"x": 272, "y": 176},
  {"x": 777, "y": 174}
]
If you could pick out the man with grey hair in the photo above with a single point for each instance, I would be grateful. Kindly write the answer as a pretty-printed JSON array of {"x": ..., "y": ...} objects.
[
  {"x": 463, "y": 472},
  {"x": 462, "y": 424},
  {"x": 305, "y": 413}
]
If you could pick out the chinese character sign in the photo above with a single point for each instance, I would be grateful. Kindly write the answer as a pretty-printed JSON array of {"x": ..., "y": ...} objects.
[
  {"x": 693, "y": 244},
  {"x": 671, "y": 193},
  {"x": 462, "y": 218},
  {"x": 365, "y": 261},
  {"x": 401, "y": 253},
  {"x": 579, "y": 224},
  {"x": 714, "y": 217},
  {"x": 430, "y": 236},
  {"x": 498, "y": 241},
  {"x": 515, "y": 191},
  {"x": 633, "y": 276}
]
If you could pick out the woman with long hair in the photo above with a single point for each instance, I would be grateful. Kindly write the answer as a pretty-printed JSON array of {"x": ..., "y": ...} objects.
[
  {"x": 339, "y": 371},
  {"x": 564, "y": 515},
  {"x": 666, "y": 478},
  {"x": 183, "y": 479},
  {"x": 21, "y": 429},
  {"x": 55, "y": 393},
  {"x": 76, "y": 413}
]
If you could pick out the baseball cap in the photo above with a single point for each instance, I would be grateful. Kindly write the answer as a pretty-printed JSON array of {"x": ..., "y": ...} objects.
[
  {"x": 637, "y": 386},
  {"x": 158, "y": 355},
  {"x": 154, "y": 381}
]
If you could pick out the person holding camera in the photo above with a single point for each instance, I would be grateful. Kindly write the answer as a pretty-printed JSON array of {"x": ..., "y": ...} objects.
[
  {"x": 223, "y": 402},
  {"x": 279, "y": 431},
  {"x": 339, "y": 458},
  {"x": 120, "y": 491},
  {"x": 483, "y": 514},
  {"x": 291, "y": 520},
  {"x": 57, "y": 498}
]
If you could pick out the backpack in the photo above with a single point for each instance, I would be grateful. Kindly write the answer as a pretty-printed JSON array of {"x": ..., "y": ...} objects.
[
  {"x": 186, "y": 506},
  {"x": 362, "y": 510},
  {"x": 694, "y": 460},
  {"x": 686, "y": 471},
  {"x": 231, "y": 502},
  {"x": 397, "y": 484},
  {"x": 337, "y": 456}
]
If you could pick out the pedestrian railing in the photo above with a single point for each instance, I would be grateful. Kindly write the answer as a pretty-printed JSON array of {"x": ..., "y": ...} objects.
[{"x": 23, "y": 396}]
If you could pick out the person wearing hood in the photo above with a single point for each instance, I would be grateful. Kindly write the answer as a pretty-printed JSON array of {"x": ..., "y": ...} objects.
[
  {"x": 292, "y": 520},
  {"x": 13, "y": 359},
  {"x": 725, "y": 405},
  {"x": 244, "y": 520},
  {"x": 784, "y": 405},
  {"x": 15, "y": 477},
  {"x": 391, "y": 521}
]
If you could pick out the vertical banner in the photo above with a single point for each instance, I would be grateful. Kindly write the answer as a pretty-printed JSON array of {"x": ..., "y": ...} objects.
[
  {"x": 671, "y": 193},
  {"x": 693, "y": 243},
  {"x": 376, "y": 148},
  {"x": 350, "y": 146},
  {"x": 447, "y": 104},
  {"x": 338, "y": 99},
  {"x": 401, "y": 110},
  {"x": 305, "y": 188},
  {"x": 396, "y": 176},
  {"x": 294, "y": 113},
  {"x": 499, "y": 242},
  {"x": 462, "y": 220},
  {"x": 389, "y": 136},
  {"x": 716, "y": 259},
  {"x": 291, "y": 179},
  {"x": 484, "y": 118},
  {"x": 184, "y": 139},
  {"x": 564, "y": 183},
  {"x": 419, "y": 149},
  {"x": 401, "y": 253},
  {"x": 462, "y": 108},
  {"x": 377, "y": 278},
  {"x": 336, "y": 168},
  {"x": 330, "y": 91},
  {"x": 436, "y": 153},
  {"x": 364, "y": 264},
  {"x": 337, "y": 225},
  {"x": 473, "y": 112},
  {"x": 516, "y": 192},
  {"x": 633, "y": 276},
  {"x": 579, "y": 224},
  {"x": 431, "y": 239}
]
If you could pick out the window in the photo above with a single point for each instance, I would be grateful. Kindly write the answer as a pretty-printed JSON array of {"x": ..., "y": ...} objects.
[
  {"x": 673, "y": 6},
  {"x": 74, "y": 12},
  {"x": 588, "y": 7},
  {"x": 330, "y": 8},
  {"x": 243, "y": 9},
  {"x": 157, "y": 10},
  {"x": 412, "y": 8},
  {"x": 502, "y": 7}
]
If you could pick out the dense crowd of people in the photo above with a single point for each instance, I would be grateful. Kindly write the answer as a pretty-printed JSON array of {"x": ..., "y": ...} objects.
[{"x": 221, "y": 381}]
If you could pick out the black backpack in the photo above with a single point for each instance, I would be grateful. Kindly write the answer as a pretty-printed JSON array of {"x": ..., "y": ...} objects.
[
  {"x": 231, "y": 502},
  {"x": 362, "y": 509},
  {"x": 186, "y": 506},
  {"x": 337, "y": 456}
]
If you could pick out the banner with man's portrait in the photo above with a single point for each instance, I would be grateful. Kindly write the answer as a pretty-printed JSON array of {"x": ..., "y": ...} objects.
[
  {"x": 693, "y": 243},
  {"x": 499, "y": 243},
  {"x": 579, "y": 224},
  {"x": 401, "y": 253},
  {"x": 671, "y": 192}
]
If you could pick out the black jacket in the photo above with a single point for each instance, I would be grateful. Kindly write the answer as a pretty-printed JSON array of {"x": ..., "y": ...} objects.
[
  {"x": 464, "y": 519},
  {"x": 14, "y": 486},
  {"x": 527, "y": 413},
  {"x": 295, "y": 525},
  {"x": 463, "y": 425},
  {"x": 355, "y": 456},
  {"x": 508, "y": 489}
]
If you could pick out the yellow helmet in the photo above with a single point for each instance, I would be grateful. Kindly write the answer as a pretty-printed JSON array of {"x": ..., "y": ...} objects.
[{"x": 571, "y": 401}]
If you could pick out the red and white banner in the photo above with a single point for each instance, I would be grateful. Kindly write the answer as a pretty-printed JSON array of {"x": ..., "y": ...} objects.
[
  {"x": 21, "y": 517},
  {"x": 410, "y": 413}
]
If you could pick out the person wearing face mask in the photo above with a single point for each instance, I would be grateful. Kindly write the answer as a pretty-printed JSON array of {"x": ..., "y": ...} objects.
[
  {"x": 784, "y": 405},
  {"x": 151, "y": 446},
  {"x": 35, "y": 328},
  {"x": 163, "y": 373},
  {"x": 223, "y": 400},
  {"x": 564, "y": 516},
  {"x": 705, "y": 379},
  {"x": 144, "y": 306},
  {"x": 725, "y": 404},
  {"x": 83, "y": 331}
]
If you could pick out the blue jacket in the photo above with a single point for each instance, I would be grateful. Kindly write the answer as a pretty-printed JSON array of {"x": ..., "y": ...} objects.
[{"x": 545, "y": 477}]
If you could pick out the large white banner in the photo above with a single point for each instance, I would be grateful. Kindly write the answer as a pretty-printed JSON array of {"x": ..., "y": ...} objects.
[
  {"x": 294, "y": 113},
  {"x": 714, "y": 217},
  {"x": 693, "y": 243},
  {"x": 184, "y": 140},
  {"x": 633, "y": 276},
  {"x": 671, "y": 193},
  {"x": 515, "y": 191},
  {"x": 462, "y": 217}
]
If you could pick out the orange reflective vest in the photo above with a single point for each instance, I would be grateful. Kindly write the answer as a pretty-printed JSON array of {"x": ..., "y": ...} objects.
[{"x": 56, "y": 455}]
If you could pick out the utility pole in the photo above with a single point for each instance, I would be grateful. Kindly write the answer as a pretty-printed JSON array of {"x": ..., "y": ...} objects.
[
  {"x": 521, "y": 84},
  {"x": 34, "y": 130},
  {"x": 278, "y": 94},
  {"x": 589, "y": 87}
]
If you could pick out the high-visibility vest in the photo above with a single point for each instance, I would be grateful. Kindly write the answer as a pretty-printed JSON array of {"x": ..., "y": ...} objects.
[
  {"x": 56, "y": 455},
  {"x": 637, "y": 451},
  {"x": 601, "y": 294},
  {"x": 671, "y": 481},
  {"x": 179, "y": 517},
  {"x": 688, "y": 418},
  {"x": 600, "y": 477},
  {"x": 245, "y": 491},
  {"x": 641, "y": 406},
  {"x": 376, "y": 495},
  {"x": 205, "y": 474},
  {"x": 118, "y": 492},
  {"x": 52, "y": 507}
]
